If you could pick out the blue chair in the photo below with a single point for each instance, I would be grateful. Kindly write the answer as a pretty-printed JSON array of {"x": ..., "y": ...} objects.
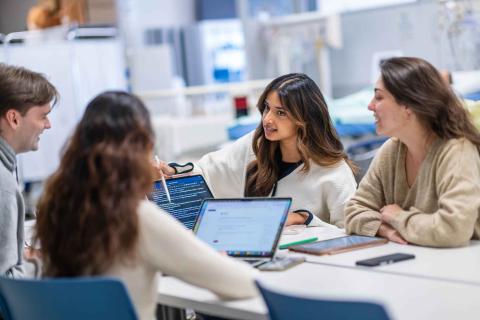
[
  {"x": 286, "y": 307},
  {"x": 73, "y": 299}
]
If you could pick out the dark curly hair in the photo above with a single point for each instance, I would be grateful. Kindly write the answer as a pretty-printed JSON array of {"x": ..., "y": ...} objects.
[{"x": 87, "y": 214}]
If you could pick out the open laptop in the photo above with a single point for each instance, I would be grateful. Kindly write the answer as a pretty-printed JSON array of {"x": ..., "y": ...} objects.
[
  {"x": 186, "y": 193},
  {"x": 248, "y": 228}
]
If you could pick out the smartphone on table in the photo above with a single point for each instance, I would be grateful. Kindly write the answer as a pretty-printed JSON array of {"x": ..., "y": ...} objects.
[{"x": 387, "y": 259}]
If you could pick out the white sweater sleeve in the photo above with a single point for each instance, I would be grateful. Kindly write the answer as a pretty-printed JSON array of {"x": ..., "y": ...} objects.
[
  {"x": 174, "y": 250},
  {"x": 336, "y": 187},
  {"x": 338, "y": 191},
  {"x": 225, "y": 169}
]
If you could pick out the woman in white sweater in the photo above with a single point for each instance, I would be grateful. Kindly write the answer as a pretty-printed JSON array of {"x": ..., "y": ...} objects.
[
  {"x": 93, "y": 219},
  {"x": 295, "y": 152}
]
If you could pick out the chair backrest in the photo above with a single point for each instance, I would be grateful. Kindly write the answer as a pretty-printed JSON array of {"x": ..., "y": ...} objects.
[
  {"x": 283, "y": 307},
  {"x": 73, "y": 298}
]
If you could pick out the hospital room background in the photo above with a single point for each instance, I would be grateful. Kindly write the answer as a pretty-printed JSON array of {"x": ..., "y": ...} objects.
[{"x": 200, "y": 65}]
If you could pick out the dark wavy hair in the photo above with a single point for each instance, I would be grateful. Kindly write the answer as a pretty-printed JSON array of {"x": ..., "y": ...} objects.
[
  {"x": 87, "y": 214},
  {"x": 317, "y": 139},
  {"x": 418, "y": 85}
]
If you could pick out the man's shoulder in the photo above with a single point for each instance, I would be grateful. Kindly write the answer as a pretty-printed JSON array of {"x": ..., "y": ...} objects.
[{"x": 8, "y": 183}]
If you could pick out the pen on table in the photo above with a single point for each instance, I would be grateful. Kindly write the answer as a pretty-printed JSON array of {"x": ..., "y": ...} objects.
[
  {"x": 308, "y": 240},
  {"x": 164, "y": 183}
]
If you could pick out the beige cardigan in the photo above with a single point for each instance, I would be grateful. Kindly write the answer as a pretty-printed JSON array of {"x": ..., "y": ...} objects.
[
  {"x": 442, "y": 207},
  {"x": 166, "y": 246}
]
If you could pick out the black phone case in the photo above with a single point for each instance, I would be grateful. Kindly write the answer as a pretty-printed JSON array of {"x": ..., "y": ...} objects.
[{"x": 387, "y": 259}]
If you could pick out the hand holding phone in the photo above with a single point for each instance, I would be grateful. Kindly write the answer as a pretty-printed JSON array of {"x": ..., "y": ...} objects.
[{"x": 387, "y": 259}]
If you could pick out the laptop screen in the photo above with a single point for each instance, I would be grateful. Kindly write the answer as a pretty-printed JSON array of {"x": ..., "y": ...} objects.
[
  {"x": 186, "y": 194},
  {"x": 249, "y": 227}
]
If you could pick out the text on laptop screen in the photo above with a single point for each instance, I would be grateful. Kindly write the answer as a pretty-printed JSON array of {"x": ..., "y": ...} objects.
[
  {"x": 242, "y": 227},
  {"x": 186, "y": 193}
]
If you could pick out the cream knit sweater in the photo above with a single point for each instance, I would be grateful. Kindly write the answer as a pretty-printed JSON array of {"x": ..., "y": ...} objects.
[
  {"x": 166, "y": 246},
  {"x": 441, "y": 208},
  {"x": 323, "y": 191}
]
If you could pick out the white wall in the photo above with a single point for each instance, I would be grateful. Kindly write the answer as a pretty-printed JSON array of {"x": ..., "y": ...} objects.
[
  {"x": 412, "y": 29},
  {"x": 139, "y": 15},
  {"x": 337, "y": 6},
  {"x": 79, "y": 70}
]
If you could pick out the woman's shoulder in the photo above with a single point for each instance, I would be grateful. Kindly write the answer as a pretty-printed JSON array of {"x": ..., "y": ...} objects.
[
  {"x": 391, "y": 147},
  {"x": 457, "y": 148},
  {"x": 152, "y": 216},
  {"x": 146, "y": 207},
  {"x": 388, "y": 153},
  {"x": 157, "y": 225},
  {"x": 458, "y": 143},
  {"x": 337, "y": 172},
  {"x": 231, "y": 149},
  {"x": 244, "y": 144},
  {"x": 244, "y": 141},
  {"x": 455, "y": 158}
]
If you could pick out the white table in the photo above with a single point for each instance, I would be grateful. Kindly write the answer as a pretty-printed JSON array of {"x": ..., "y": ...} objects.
[
  {"x": 404, "y": 297},
  {"x": 175, "y": 293},
  {"x": 454, "y": 264}
]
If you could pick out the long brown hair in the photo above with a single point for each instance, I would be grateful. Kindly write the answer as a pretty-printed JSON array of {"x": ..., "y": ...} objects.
[
  {"x": 418, "y": 85},
  {"x": 87, "y": 215},
  {"x": 317, "y": 139}
]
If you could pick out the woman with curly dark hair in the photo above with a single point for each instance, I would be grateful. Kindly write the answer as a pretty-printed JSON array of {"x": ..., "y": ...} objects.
[
  {"x": 423, "y": 185},
  {"x": 295, "y": 152},
  {"x": 93, "y": 218}
]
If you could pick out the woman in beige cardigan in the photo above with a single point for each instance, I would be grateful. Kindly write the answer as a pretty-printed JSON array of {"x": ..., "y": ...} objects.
[{"x": 423, "y": 187}]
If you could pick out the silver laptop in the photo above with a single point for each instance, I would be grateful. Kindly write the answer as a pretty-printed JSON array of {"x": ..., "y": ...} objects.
[{"x": 248, "y": 229}]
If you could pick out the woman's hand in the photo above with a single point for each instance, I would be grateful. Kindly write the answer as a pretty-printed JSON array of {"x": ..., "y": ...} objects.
[
  {"x": 386, "y": 231},
  {"x": 389, "y": 212},
  {"x": 30, "y": 253},
  {"x": 161, "y": 167},
  {"x": 296, "y": 218}
]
